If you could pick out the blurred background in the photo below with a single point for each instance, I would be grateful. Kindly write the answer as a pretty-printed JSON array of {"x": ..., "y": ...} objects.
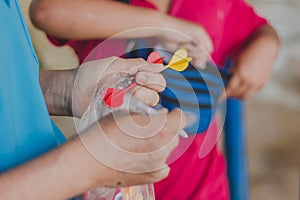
[{"x": 272, "y": 116}]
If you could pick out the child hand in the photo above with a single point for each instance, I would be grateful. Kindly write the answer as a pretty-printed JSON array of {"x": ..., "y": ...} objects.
[
  {"x": 187, "y": 35},
  {"x": 247, "y": 79},
  {"x": 252, "y": 66}
]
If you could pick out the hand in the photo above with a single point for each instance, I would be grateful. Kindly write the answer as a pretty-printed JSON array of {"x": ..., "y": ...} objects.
[
  {"x": 132, "y": 149},
  {"x": 188, "y": 35},
  {"x": 105, "y": 155},
  {"x": 89, "y": 74},
  {"x": 253, "y": 64},
  {"x": 247, "y": 79}
]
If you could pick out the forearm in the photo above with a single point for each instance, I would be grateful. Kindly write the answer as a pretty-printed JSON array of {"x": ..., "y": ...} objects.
[
  {"x": 261, "y": 49},
  {"x": 252, "y": 64},
  {"x": 60, "y": 174},
  {"x": 57, "y": 90},
  {"x": 89, "y": 19}
]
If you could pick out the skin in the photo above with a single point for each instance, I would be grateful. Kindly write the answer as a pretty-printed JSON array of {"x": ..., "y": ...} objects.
[
  {"x": 68, "y": 92},
  {"x": 90, "y": 22},
  {"x": 60, "y": 170},
  {"x": 61, "y": 165},
  {"x": 252, "y": 63}
]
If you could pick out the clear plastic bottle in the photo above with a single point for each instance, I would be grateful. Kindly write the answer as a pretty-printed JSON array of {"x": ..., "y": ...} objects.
[{"x": 99, "y": 109}]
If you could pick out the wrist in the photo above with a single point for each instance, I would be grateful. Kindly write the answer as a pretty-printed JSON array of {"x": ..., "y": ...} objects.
[
  {"x": 69, "y": 88},
  {"x": 57, "y": 90}
]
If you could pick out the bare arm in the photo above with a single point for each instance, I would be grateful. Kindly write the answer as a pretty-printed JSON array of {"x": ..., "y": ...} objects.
[
  {"x": 94, "y": 19},
  {"x": 252, "y": 65},
  {"x": 57, "y": 90},
  {"x": 56, "y": 175},
  {"x": 71, "y": 169}
]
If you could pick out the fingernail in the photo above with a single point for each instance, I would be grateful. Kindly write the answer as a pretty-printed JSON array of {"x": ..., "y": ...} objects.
[
  {"x": 141, "y": 78},
  {"x": 158, "y": 107},
  {"x": 202, "y": 66},
  {"x": 183, "y": 134},
  {"x": 158, "y": 66}
]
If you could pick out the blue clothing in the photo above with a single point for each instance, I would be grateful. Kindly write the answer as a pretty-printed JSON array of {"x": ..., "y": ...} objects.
[{"x": 26, "y": 129}]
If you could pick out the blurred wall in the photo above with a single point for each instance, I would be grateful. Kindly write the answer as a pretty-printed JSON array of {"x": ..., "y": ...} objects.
[
  {"x": 50, "y": 57},
  {"x": 273, "y": 115},
  {"x": 284, "y": 86}
]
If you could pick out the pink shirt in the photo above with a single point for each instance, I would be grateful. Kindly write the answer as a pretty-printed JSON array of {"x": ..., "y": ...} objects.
[{"x": 229, "y": 23}]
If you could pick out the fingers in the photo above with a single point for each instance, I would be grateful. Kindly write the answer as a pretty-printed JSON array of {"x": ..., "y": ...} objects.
[
  {"x": 148, "y": 96},
  {"x": 233, "y": 87},
  {"x": 134, "y": 65},
  {"x": 132, "y": 138},
  {"x": 130, "y": 66},
  {"x": 158, "y": 175},
  {"x": 240, "y": 88},
  {"x": 198, "y": 53},
  {"x": 176, "y": 116},
  {"x": 207, "y": 42},
  {"x": 162, "y": 173},
  {"x": 203, "y": 39},
  {"x": 147, "y": 74},
  {"x": 151, "y": 132},
  {"x": 171, "y": 46},
  {"x": 151, "y": 80},
  {"x": 150, "y": 67},
  {"x": 168, "y": 137}
]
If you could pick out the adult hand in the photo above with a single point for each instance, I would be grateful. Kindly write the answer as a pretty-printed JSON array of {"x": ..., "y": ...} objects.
[
  {"x": 104, "y": 155},
  {"x": 132, "y": 149},
  {"x": 89, "y": 74}
]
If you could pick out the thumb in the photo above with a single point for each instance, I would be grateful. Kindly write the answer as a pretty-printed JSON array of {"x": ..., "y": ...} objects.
[{"x": 161, "y": 174}]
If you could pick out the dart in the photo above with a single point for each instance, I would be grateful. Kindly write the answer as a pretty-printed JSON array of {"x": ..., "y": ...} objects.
[
  {"x": 180, "y": 61},
  {"x": 114, "y": 97},
  {"x": 155, "y": 58}
]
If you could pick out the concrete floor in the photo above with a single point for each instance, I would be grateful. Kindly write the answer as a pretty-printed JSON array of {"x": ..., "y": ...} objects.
[
  {"x": 273, "y": 150},
  {"x": 272, "y": 116}
]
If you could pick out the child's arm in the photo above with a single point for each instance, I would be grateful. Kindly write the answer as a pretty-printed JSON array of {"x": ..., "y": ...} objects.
[
  {"x": 94, "y": 19},
  {"x": 90, "y": 19},
  {"x": 252, "y": 65}
]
